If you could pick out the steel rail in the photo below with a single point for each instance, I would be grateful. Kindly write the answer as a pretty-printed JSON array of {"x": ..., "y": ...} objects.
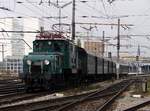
[
  {"x": 10, "y": 95},
  {"x": 138, "y": 106},
  {"x": 53, "y": 101},
  {"x": 21, "y": 97},
  {"x": 108, "y": 89},
  {"x": 61, "y": 104},
  {"x": 61, "y": 101},
  {"x": 110, "y": 101}
]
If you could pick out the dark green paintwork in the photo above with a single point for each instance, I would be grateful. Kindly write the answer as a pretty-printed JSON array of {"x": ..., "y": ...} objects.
[
  {"x": 63, "y": 47},
  {"x": 46, "y": 50}
]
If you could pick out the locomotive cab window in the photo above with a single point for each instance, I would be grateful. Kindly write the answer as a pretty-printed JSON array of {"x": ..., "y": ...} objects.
[
  {"x": 42, "y": 46},
  {"x": 57, "y": 47},
  {"x": 36, "y": 45},
  {"x": 49, "y": 46}
]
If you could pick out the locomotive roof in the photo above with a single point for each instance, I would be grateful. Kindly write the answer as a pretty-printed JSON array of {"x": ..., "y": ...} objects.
[{"x": 50, "y": 36}]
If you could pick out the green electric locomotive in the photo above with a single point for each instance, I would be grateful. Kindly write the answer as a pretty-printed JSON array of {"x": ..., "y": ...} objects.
[{"x": 55, "y": 60}]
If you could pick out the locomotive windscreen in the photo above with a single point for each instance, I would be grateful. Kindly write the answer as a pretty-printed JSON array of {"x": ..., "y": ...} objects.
[{"x": 48, "y": 46}]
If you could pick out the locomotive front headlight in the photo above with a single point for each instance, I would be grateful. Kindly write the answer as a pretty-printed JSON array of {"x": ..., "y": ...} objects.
[
  {"x": 29, "y": 62},
  {"x": 46, "y": 62}
]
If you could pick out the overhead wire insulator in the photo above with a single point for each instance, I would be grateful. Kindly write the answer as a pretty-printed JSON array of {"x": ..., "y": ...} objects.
[
  {"x": 84, "y": 16},
  {"x": 19, "y": 2},
  {"x": 41, "y": 2},
  {"x": 49, "y": 2},
  {"x": 83, "y": 1},
  {"x": 110, "y": 1},
  {"x": 4, "y": 8}
]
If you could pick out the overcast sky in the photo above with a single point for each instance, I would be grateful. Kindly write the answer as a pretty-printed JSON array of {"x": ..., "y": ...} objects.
[{"x": 136, "y": 12}]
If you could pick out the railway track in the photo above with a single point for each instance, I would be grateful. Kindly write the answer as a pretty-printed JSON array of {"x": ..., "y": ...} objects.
[
  {"x": 50, "y": 107},
  {"x": 13, "y": 89},
  {"x": 10, "y": 86},
  {"x": 17, "y": 97},
  {"x": 74, "y": 103},
  {"x": 138, "y": 106},
  {"x": 100, "y": 104},
  {"x": 34, "y": 105},
  {"x": 10, "y": 81}
]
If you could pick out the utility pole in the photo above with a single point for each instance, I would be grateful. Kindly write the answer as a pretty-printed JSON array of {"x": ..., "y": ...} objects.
[
  {"x": 60, "y": 20},
  {"x": 118, "y": 48},
  {"x": 103, "y": 44},
  {"x": 3, "y": 52},
  {"x": 59, "y": 13},
  {"x": 137, "y": 60},
  {"x": 73, "y": 20},
  {"x": 73, "y": 30},
  {"x": 103, "y": 52}
]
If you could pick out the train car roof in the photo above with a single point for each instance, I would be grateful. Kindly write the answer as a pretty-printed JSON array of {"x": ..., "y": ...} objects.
[{"x": 52, "y": 36}]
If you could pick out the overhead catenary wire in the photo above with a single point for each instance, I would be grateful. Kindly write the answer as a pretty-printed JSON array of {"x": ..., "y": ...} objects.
[
  {"x": 35, "y": 11},
  {"x": 103, "y": 4},
  {"x": 27, "y": 15},
  {"x": 15, "y": 17},
  {"x": 94, "y": 8},
  {"x": 7, "y": 24},
  {"x": 37, "y": 7},
  {"x": 78, "y": 11}
]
